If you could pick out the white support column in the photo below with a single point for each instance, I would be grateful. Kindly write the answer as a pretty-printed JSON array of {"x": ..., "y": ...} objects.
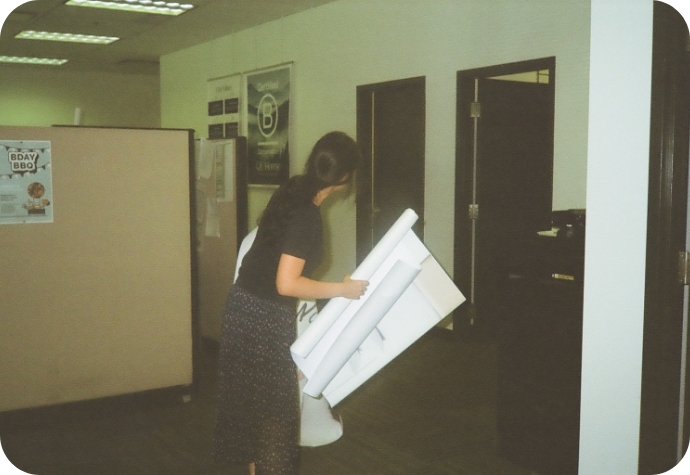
[{"x": 617, "y": 182}]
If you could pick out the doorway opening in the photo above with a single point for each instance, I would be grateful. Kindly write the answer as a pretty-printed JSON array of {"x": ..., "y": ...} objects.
[
  {"x": 524, "y": 283},
  {"x": 504, "y": 177},
  {"x": 391, "y": 134}
]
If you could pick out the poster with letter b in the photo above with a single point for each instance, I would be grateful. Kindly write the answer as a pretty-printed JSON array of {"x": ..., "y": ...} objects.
[{"x": 268, "y": 112}]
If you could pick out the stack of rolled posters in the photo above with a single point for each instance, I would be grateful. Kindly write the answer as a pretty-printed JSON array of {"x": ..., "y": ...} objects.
[{"x": 351, "y": 340}]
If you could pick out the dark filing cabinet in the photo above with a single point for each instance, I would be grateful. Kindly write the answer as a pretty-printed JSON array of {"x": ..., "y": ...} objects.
[{"x": 540, "y": 352}]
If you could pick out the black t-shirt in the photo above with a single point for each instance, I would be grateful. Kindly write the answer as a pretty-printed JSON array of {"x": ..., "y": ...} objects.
[{"x": 303, "y": 238}]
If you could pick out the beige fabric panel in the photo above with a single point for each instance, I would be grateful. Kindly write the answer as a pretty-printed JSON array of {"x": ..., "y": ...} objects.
[{"x": 99, "y": 302}]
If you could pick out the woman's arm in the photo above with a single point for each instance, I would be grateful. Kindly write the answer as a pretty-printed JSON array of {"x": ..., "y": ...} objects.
[{"x": 291, "y": 283}]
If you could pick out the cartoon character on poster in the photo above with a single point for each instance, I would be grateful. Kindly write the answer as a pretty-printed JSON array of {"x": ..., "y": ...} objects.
[{"x": 25, "y": 182}]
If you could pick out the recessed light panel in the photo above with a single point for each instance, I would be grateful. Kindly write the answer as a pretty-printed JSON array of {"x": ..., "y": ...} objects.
[
  {"x": 68, "y": 37},
  {"x": 144, "y": 6},
  {"x": 25, "y": 60}
]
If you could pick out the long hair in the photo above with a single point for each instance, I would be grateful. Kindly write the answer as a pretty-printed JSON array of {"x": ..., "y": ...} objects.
[{"x": 333, "y": 161}]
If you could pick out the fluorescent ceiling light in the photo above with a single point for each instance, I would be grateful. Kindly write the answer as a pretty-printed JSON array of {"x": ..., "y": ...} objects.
[
  {"x": 24, "y": 60},
  {"x": 69, "y": 37},
  {"x": 145, "y": 6}
]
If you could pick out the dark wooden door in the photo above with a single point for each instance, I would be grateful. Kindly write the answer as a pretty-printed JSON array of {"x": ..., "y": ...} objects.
[
  {"x": 505, "y": 171},
  {"x": 514, "y": 179},
  {"x": 390, "y": 131},
  {"x": 663, "y": 432}
]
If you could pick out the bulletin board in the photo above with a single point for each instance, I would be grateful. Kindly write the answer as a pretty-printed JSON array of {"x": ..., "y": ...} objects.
[
  {"x": 99, "y": 301},
  {"x": 221, "y": 197}
]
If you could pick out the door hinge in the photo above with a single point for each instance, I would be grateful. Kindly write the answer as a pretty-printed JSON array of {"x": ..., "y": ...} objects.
[
  {"x": 684, "y": 267},
  {"x": 475, "y": 109},
  {"x": 473, "y": 211}
]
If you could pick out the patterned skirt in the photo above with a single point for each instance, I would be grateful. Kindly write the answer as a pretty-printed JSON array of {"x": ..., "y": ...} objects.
[{"x": 257, "y": 418}]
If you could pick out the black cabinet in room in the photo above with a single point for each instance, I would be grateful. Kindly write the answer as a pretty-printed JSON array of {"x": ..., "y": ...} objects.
[{"x": 540, "y": 351}]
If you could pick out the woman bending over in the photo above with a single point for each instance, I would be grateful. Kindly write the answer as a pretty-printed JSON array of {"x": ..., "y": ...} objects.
[{"x": 257, "y": 420}]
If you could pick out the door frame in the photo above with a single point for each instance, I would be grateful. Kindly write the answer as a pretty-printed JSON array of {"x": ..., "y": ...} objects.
[
  {"x": 664, "y": 423},
  {"x": 464, "y": 316}
]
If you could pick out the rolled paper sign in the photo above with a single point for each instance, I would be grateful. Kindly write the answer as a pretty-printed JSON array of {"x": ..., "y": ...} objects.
[
  {"x": 351, "y": 340},
  {"x": 361, "y": 325},
  {"x": 336, "y": 306}
]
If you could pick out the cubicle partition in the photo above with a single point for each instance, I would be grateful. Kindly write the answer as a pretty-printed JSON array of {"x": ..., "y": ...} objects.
[{"x": 96, "y": 287}]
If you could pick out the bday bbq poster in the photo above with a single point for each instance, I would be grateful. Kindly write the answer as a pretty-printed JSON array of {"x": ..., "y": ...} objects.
[{"x": 26, "y": 185}]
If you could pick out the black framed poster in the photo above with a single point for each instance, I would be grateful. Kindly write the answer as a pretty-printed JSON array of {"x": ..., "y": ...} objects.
[{"x": 268, "y": 106}]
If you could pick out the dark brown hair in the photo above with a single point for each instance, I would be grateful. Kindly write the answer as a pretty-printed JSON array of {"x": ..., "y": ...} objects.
[{"x": 333, "y": 161}]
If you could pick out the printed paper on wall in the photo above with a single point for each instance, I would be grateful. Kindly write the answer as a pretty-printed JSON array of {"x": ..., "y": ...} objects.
[{"x": 26, "y": 185}]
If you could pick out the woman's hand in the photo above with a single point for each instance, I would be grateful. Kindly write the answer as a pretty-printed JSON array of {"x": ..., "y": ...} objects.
[
  {"x": 291, "y": 282},
  {"x": 354, "y": 289}
]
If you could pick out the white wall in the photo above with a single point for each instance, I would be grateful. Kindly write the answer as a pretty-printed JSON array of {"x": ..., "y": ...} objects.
[
  {"x": 45, "y": 96},
  {"x": 348, "y": 43}
]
